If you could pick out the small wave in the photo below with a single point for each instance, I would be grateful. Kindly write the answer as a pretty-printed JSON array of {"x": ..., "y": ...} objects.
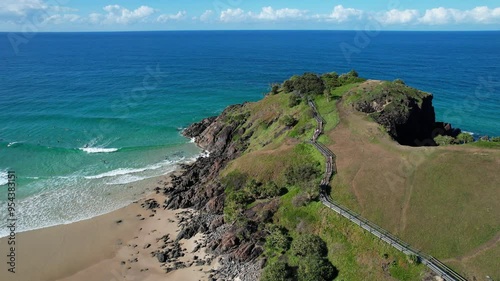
[
  {"x": 98, "y": 150},
  {"x": 117, "y": 172},
  {"x": 193, "y": 140},
  {"x": 12, "y": 143},
  {"x": 126, "y": 179},
  {"x": 3, "y": 178}
]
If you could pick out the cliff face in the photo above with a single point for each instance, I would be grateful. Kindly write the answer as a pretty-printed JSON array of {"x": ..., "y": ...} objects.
[{"x": 406, "y": 113}]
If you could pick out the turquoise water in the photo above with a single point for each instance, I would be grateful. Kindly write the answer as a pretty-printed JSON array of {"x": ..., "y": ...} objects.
[{"x": 85, "y": 118}]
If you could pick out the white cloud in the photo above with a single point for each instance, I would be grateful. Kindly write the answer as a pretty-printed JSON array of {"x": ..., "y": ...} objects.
[
  {"x": 398, "y": 16},
  {"x": 21, "y": 7},
  {"x": 207, "y": 15},
  {"x": 60, "y": 19},
  {"x": 120, "y": 15},
  {"x": 233, "y": 15},
  {"x": 341, "y": 14},
  {"x": 484, "y": 14},
  {"x": 165, "y": 17},
  {"x": 441, "y": 15},
  {"x": 268, "y": 13}
]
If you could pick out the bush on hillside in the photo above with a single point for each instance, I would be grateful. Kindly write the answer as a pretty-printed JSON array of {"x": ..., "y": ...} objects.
[
  {"x": 309, "y": 245},
  {"x": 289, "y": 121},
  {"x": 294, "y": 100},
  {"x": 302, "y": 173},
  {"x": 277, "y": 271},
  {"x": 444, "y": 140},
  {"x": 278, "y": 239},
  {"x": 465, "y": 138},
  {"x": 234, "y": 180},
  {"x": 316, "y": 269},
  {"x": 307, "y": 84}
]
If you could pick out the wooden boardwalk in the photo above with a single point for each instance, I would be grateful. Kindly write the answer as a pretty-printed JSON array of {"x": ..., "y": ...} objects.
[{"x": 435, "y": 265}]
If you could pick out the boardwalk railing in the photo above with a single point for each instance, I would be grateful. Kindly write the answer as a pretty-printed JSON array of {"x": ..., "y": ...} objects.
[{"x": 434, "y": 264}]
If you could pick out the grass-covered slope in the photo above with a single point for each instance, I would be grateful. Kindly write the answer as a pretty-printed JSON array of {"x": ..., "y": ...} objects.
[
  {"x": 277, "y": 153},
  {"x": 442, "y": 200}
]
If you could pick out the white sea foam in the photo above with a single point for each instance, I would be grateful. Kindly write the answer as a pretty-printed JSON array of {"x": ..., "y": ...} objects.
[
  {"x": 71, "y": 198},
  {"x": 12, "y": 143},
  {"x": 193, "y": 140},
  {"x": 126, "y": 179},
  {"x": 3, "y": 178},
  {"x": 98, "y": 149},
  {"x": 205, "y": 154}
]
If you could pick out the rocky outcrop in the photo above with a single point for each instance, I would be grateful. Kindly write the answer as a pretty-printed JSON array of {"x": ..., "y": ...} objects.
[
  {"x": 198, "y": 188},
  {"x": 406, "y": 113}
]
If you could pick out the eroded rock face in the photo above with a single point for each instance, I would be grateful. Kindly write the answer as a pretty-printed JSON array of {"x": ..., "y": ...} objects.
[{"x": 410, "y": 120}]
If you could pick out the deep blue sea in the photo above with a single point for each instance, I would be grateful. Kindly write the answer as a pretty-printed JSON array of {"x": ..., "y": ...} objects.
[{"x": 85, "y": 118}]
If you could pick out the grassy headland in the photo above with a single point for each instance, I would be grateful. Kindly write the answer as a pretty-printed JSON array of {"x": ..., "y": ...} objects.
[{"x": 441, "y": 200}]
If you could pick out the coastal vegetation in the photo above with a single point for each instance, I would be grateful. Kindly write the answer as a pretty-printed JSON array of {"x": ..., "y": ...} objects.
[{"x": 270, "y": 184}]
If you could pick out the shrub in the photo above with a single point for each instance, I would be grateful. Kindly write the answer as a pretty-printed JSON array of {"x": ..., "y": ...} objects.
[
  {"x": 289, "y": 121},
  {"x": 495, "y": 139},
  {"x": 414, "y": 259},
  {"x": 465, "y": 138},
  {"x": 307, "y": 84},
  {"x": 300, "y": 200},
  {"x": 309, "y": 245},
  {"x": 399, "y": 81},
  {"x": 278, "y": 239},
  {"x": 275, "y": 88},
  {"x": 302, "y": 173},
  {"x": 350, "y": 77},
  {"x": 277, "y": 271},
  {"x": 444, "y": 140},
  {"x": 271, "y": 189},
  {"x": 315, "y": 269},
  {"x": 331, "y": 80},
  {"x": 234, "y": 180},
  {"x": 294, "y": 100}
]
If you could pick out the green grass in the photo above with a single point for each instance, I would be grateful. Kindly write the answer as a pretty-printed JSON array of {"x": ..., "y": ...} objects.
[
  {"x": 464, "y": 188},
  {"x": 357, "y": 255},
  {"x": 484, "y": 144}
]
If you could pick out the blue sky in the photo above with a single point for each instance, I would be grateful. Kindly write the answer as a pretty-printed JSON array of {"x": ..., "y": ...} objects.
[{"x": 114, "y": 15}]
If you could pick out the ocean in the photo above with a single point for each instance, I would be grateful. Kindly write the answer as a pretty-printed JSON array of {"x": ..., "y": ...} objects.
[{"x": 86, "y": 118}]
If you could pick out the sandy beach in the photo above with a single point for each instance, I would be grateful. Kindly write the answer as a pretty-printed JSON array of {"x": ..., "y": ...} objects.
[{"x": 116, "y": 246}]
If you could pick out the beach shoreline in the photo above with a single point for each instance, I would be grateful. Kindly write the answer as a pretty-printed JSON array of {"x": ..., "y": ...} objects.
[{"x": 119, "y": 245}]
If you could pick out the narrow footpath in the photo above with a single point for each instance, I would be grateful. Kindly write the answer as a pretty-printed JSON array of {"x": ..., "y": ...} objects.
[{"x": 435, "y": 265}]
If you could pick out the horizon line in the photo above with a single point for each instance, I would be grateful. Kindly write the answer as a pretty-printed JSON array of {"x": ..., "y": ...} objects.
[{"x": 260, "y": 30}]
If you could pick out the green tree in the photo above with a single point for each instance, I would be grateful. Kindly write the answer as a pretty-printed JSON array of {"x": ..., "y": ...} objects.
[
  {"x": 270, "y": 189},
  {"x": 277, "y": 271},
  {"x": 275, "y": 88},
  {"x": 314, "y": 268},
  {"x": 465, "y": 138},
  {"x": 309, "y": 245},
  {"x": 444, "y": 140},
  {"x": 294, "y": 100},
  {"x": 297, "y": 174},
  {"x": 289, "y": 121},
  {"x": 278, "y": 239},
  {"x": 399, "y": 81}
]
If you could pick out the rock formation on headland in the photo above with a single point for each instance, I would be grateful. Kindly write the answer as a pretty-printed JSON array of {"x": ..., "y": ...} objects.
[{"x": 237, "y": 218}]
